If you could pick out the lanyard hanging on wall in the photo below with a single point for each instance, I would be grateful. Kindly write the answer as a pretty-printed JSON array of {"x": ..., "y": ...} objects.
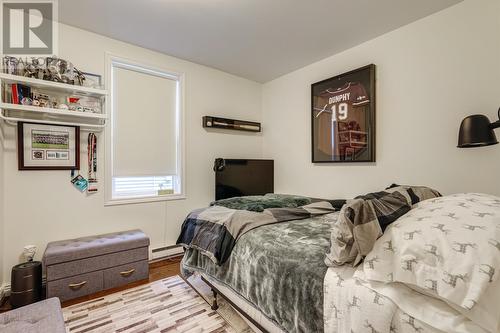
[{"x": 92, "y": 163}]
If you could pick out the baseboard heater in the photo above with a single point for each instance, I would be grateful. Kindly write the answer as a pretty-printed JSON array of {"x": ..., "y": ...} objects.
[
  {"x": 232, "y": 124},
  {"x": 166, "y": 251}
]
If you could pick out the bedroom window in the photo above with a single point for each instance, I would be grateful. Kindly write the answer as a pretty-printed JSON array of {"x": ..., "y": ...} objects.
[{"x": 144, "y": 155}]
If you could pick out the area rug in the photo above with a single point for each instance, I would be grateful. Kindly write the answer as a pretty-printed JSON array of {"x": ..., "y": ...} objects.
[
  {"x": 168, "y": 305},
  {"x": 225, "y": 309}
]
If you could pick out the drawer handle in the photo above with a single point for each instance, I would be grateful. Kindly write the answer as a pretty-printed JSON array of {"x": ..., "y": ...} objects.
[
  {"x": 127, "y": 273},
  {"x": 77, "y": 285}
]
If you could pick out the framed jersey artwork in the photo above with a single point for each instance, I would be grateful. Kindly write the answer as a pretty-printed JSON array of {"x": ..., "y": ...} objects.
[{"x": 343, "y": 117}]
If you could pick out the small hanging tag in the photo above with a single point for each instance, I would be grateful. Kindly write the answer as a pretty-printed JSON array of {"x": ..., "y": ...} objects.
[
  {"x": 93, "y": 186},
  {"x": 80, "y": 183},
  {"x": 92, "y": 164}
]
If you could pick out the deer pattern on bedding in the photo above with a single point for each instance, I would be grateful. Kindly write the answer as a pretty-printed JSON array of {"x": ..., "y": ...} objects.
[{"x": 454, "y": 255}]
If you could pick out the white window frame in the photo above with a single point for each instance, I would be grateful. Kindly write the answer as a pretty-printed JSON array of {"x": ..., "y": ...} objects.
[{"x": 117, "y": 61}]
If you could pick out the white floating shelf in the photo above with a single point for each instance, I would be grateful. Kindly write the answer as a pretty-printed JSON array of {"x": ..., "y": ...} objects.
[
  {"x": 13, "y": 113},
  {"x": 53, "y": 86},
  {"x": 83, "y": 126},
  {"x": 50, "y": 111}
]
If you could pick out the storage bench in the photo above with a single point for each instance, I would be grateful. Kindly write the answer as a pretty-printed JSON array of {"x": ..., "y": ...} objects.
[{"x": 83, "y": 266}]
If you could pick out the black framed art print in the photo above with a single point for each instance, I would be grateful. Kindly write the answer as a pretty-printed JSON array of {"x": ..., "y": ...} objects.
[
  {"x": 343, "y": 117},
  {"x": 48, "y": 147}
]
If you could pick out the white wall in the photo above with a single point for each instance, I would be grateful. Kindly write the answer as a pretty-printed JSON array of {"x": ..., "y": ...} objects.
[
  {"x": 43, "y": 206},
  {"x": 430, "y": 75},
  {"x": 2, "y": 234}
]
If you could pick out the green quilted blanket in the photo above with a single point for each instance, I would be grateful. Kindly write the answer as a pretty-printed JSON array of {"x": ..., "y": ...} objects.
[{"x": 258, "y": 203}]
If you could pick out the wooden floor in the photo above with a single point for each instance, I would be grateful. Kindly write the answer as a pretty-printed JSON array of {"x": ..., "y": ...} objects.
[{"x": 157, "y": 271}]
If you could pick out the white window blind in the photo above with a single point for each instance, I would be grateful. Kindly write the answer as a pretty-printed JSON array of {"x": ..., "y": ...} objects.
[
  {"x": 144, "y": 123},
  {"x": 145, "y": 148}
]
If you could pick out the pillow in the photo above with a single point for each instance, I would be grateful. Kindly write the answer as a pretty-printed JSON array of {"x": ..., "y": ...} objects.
[
  {"x": 449, "y": 248},
  {"x": 363, "y": 220}
]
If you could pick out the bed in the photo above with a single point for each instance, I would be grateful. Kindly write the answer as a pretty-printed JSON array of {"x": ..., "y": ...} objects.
[
  {"x": 276, "y": 276},
  {"x": 286, "y": 259}
]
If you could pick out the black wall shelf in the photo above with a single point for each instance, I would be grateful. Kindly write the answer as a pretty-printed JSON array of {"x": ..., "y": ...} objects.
[{"x": 232, "y": 124}]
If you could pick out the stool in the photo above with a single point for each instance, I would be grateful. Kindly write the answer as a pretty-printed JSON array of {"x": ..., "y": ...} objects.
[
  {"x": 42, "y": 317},
  {"x": 26, "y": 284}
]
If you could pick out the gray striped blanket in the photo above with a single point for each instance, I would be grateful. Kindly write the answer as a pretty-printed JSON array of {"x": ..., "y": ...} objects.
[{"x": 215, "y": 230}]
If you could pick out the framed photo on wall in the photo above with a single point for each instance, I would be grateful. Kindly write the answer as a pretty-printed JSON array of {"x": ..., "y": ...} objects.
[
  {"x": 48, "y": 147},
  {"x": 343, "y": 117}
]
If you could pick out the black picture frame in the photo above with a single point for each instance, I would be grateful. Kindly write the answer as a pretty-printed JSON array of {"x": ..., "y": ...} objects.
[
  {"x": 343, "y": 124},
  {"x": 73, "y": 149}
]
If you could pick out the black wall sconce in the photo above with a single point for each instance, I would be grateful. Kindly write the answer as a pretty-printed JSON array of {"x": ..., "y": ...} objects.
[{"x": 477, "y": 131}]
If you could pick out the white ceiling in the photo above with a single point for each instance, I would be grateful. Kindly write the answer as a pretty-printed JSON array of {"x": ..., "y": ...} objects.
[{"x": 256, "y": 39}]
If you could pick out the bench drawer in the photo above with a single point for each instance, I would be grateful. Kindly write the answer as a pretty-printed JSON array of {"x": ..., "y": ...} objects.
[
  {"x": 81, "y": 266},
  {"x": 121, "y": 275},
  {"x": 75, "y": 286}
]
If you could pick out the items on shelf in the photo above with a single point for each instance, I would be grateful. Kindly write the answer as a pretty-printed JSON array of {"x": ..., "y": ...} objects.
[
  {"x": 49, "y": 69},
  {"x": 83, "y": 104},
  {"x": 240, "y": 125},
  {"x": 17, "y": 93},
  {"x": 50, "y": 91},
  {"x": 41, "y": 100}
]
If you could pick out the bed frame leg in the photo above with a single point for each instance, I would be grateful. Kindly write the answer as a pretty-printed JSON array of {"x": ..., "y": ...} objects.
[{"x": 215, "y": 306}]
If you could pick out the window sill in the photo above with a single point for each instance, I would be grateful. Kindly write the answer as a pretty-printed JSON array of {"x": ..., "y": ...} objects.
[{"x": 132, "y": 201}]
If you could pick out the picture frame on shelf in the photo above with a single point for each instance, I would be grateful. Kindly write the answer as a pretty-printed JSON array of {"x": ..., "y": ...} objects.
[
  {"x": 48, "y": 147},
  {"x": 92, "y": 80},
  {"x": 343, "y": 117}
]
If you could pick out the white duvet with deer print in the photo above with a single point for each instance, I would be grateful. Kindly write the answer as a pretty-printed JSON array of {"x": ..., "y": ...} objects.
[
  {"x": 354, "y": 305},
  {"x": 447, "y": 248}
]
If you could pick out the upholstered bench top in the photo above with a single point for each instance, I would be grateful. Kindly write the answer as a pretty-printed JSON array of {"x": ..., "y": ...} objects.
[
  {"x": 41, "y": 317},
  {"x": 85, "y": 247}
]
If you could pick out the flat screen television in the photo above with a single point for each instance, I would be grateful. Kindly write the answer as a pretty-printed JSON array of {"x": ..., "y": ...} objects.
[{"x": 238, "y": 177}]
